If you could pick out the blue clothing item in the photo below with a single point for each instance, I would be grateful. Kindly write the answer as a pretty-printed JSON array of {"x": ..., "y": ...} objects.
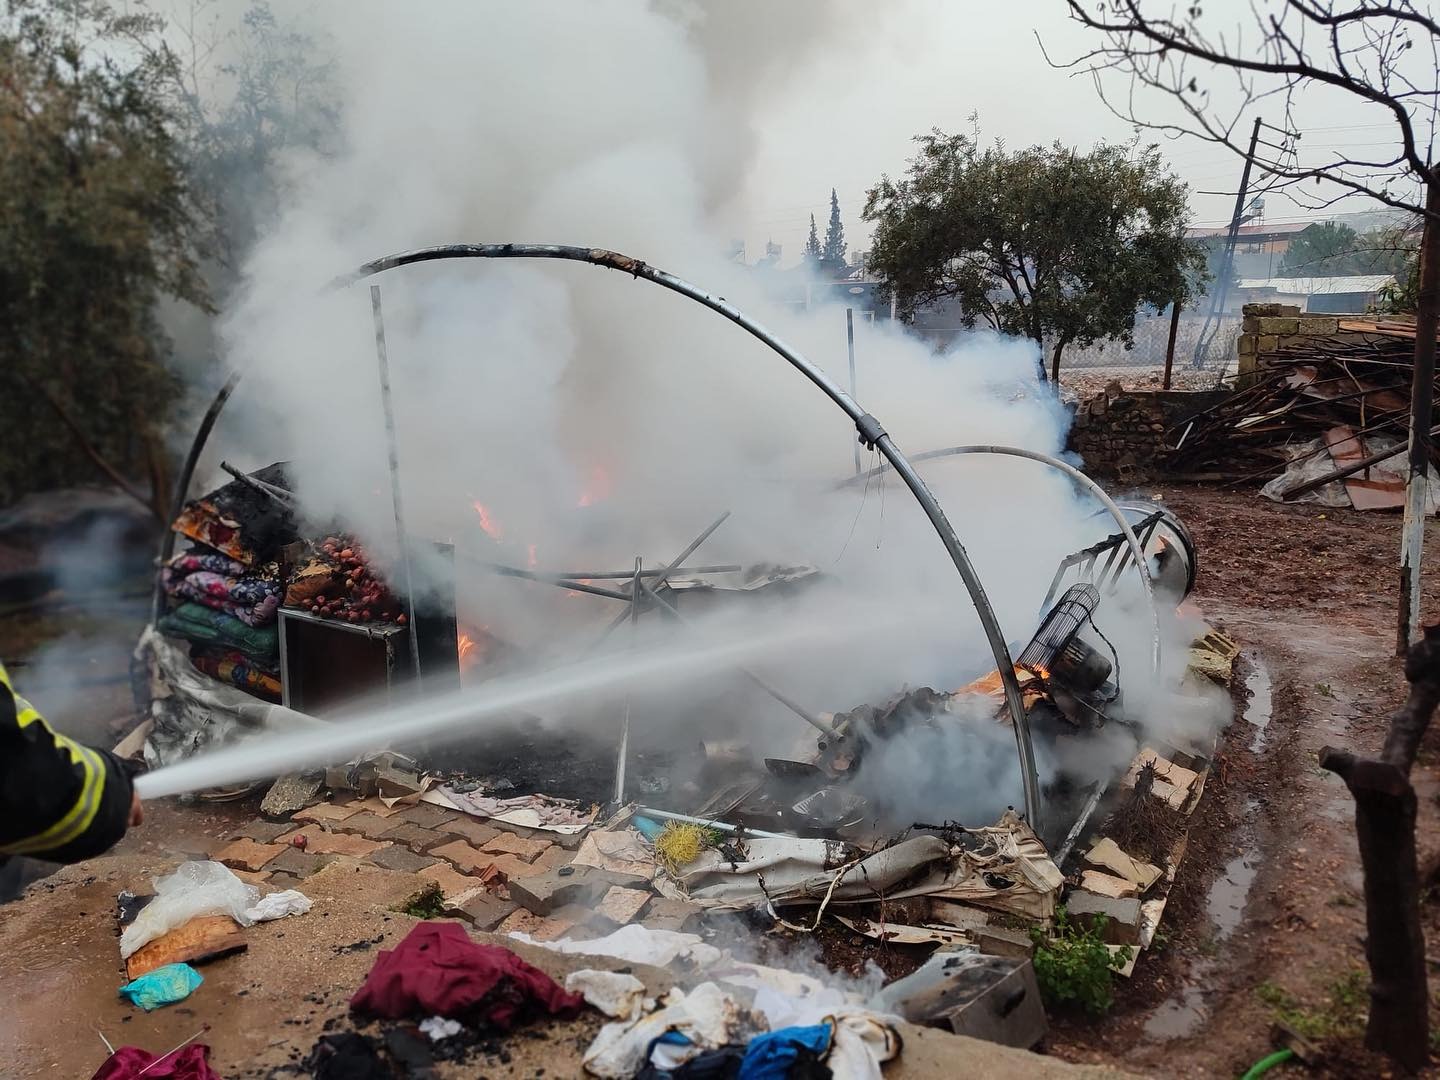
[
  {"x": 770, "y": 1056},
  {"x": 163, "y": 986}
]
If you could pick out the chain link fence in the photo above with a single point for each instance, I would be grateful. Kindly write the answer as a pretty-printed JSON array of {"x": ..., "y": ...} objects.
[{"x": 1089, "y": 370}]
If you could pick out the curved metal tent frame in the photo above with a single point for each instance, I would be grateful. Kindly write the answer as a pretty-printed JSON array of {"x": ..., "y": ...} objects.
[{"x": 871, "y": 434}]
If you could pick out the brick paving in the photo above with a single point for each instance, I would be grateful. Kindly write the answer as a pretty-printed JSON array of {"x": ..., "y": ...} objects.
[{"x": 475, "y": 863}]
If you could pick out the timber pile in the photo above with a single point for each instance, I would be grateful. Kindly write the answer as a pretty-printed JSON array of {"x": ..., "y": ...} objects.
[{"x": 1343, "y": 388}]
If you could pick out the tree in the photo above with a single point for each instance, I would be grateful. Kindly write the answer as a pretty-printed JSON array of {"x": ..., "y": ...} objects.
[
  {"x": 98, "y": 222},
  {"x": 1046, "y": 243},
  {"x": 811, "y": 254},
  {"x": 834, "y": 252},
  {"x": 1324, "y": 250},
  {"x": 1214, "y": 76}
]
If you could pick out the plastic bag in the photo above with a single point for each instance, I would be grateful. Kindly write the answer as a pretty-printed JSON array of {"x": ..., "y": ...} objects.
[
  {"x": 196, "y": 888},
  {"x": 279, "y": 904},
  {"x": 164, "y": 985}
]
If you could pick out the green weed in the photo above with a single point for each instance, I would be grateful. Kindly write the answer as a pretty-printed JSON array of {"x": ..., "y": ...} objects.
[{"x": 1074, "y": 967}]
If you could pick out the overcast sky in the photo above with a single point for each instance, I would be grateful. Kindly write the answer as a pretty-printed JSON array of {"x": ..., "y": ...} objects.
[{"x": 908, "y": 65}]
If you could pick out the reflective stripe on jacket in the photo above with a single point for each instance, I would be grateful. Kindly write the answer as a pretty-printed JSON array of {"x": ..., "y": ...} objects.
[{"x": 58, "y": 800}]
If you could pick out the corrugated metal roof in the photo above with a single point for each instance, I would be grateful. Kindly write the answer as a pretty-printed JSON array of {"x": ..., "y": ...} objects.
[
  {"x": 1251, "y": 231},
  {"x": 1319, "y": 286}
]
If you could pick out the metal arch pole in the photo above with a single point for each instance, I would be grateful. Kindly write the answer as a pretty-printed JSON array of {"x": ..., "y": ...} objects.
[
  {"x": 871, "y": 433},
  {"x": 1137, "y": 551}
]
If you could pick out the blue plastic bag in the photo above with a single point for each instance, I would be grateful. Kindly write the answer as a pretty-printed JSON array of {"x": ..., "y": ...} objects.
[{"x": 163, "y": 986}]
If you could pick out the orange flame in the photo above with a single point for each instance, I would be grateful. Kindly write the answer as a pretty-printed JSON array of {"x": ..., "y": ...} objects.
[
  {"x": 530, "y": 560},
  {"x": 598, "y": 487},
  {"x": 466, "y": 645},
  {"x": 488, "y": 522}
]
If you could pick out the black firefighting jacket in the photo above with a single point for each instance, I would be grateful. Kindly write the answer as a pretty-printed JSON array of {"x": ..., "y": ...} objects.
[{"x": 58, "y": 800}]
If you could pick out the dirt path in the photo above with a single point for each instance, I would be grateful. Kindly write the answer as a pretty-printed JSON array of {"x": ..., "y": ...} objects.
[{"x": 1268, "y": 920}]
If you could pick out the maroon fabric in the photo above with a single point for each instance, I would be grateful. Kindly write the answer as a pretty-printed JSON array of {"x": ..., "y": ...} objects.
[
  {"x": 438, "y": 971},
  {"x": 191, "y": 1063}
]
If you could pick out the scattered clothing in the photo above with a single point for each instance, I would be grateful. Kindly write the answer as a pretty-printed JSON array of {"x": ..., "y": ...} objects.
[
  {"x": 212, "y": 562},
  {"x": 206, "y": 626},
  {"x": 619, "y": 996},
  {"x": 526, "y": 811},
  {"x": 59, "y": 800},
  {"x": 163, "y": 986},
  {"x": 239, "y": 671},
  {"x": 278, "y": 905},
  {"x": 347, "y": 1055},
  {"x": 129, "y": 1062},
  {"x": 773, "y": 1055},
  {"x": 722, "y": 1064},
  {"x": 679, "y": 1031},
  {"x": 438, "y": 971}
]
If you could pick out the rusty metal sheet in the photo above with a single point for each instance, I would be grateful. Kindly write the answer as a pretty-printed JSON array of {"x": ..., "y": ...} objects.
[{"x": 1367, "y": 492}]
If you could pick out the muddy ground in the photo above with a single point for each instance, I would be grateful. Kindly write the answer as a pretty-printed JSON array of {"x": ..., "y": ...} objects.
[{"x": 1267, "y": 917}]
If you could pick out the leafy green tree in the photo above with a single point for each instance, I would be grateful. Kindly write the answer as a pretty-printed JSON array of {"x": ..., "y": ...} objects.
[
  {"x": 834, "y": 251},
  {"x": 811, "y": 253},
  {"x": 1047, "y": 243},
  {"x": 1324, "y": 250},
  {"x": 98, "y": 223}
]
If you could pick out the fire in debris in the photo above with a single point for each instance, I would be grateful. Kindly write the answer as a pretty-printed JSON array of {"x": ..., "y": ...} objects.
[
  {"x": 597, "y": 488},
  {"x": 488, "y": 522}
]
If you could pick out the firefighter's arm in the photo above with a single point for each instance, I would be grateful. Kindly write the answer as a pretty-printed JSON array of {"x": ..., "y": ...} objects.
[{"x": 59, "y": 800}]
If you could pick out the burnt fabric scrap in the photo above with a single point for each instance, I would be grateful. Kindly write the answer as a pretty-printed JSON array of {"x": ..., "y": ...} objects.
[
  {"x": 438, "y": 971},
  {"x": 239, "y": 521},
  {"x": 129, "y": 1062}
]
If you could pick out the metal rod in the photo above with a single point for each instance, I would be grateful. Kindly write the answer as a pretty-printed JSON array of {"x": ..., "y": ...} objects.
[
  {"x": 167, "y": 1053},
  {"x": 106, "y": 1041},
  {"x": 270, "y": 491},
  {"x": 598, "y": 575},
  {"x": 182, "y": 486},
  {"x": 635, "y": 586},
  {"x": 1086, "y": 812},
  {"x": 723, "y": 826},
  {"x": 798, "y": 710},
  {"x": 664, "y": 574},
  {"x": 1170, "y": 344},
  {"x": 850, "y": 345},
  {"x": 546, "y": 579},
  {"x": 872, "y": 434},
  {"x": 383, "y": 359}
]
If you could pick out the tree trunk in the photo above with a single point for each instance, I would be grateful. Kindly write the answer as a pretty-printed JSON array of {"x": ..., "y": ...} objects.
[
  {"x": 1422, "y": 391},
  {"x": 1385, "y": 810},
  {"x": 1170, "y": 344},
  {"x": 1055, "y": 365}
]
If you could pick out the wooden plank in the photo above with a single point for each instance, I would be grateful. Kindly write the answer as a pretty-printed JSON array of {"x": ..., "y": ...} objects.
[
  {"x": 1366, "y": 493},
  {"x": 207, "y": 937}
]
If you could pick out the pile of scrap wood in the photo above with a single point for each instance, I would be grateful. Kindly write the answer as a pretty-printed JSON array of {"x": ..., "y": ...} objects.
[{"x": 1318, "y": 412}]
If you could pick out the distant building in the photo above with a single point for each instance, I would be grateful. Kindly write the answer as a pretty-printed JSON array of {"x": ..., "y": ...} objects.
[
  {"x": 1258, "y": 248},
  {"x": 1350, "y": 294}
]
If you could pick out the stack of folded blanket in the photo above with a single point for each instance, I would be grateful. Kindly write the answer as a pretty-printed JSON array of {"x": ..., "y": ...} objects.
[
  {"x": 220, "y": 582},
  {"x": 234, "y": 667}
]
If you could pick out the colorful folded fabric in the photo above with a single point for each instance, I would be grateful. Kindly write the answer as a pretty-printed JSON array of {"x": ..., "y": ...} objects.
[
  {"x": 221, "y": 583},
  {"x": 207, "y": 626},
  {"x": 241, "y": 672}
]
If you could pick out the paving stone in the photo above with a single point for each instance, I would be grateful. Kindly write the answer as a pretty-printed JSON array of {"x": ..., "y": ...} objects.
[
  {"x": 451, "y": 881},
  {"x": 553, "y": 857},
  {"x": 509, "y": 844},
  {"x": 481, "y": 908},
  {"x": 415, "y": 837},
  {"x": 251, "y": 877},
  {"x": 541, "y": 929},
  {"x": 621, "y": 905},
  {"x": 427, "y": 816},
  {"x": 475, "y": 832},
  {"x": 247, "y": 854},
  {"x": 327, "y": 812},
  {"x": 299, "y": 864},
  {"x": 463, "y": 855},
  {"x": 394, "y": 857},
  {"x": 1122, "y": 925},
  {"x": 1116, "y": 888},
  {"x": 261, "y": 831},
  {"x": 365, "y": 824},
  {"x": 680, "y": 916},
  {"x": 512, "y": 868},
  {"x": 281, "y": 880},
  {"x": 375, "y": 806},
  {"x": 328, "y": 843},
  {"x": 543, "y": 893}
]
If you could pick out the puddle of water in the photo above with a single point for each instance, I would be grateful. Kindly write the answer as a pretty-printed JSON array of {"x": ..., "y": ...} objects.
[
  {"x": 1260, "y": 691},
  {"x": 1183, "y": 1013},
  {"x": 1230, "y": 892}
]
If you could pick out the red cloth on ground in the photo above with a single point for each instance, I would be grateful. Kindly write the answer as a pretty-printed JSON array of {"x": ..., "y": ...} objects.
[
  {"x": 438, "y": 971},
  {"x": 191, "y": 1063}
]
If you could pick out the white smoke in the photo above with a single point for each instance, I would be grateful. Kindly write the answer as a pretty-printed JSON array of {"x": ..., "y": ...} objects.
[{"x": 535, "y": 388}]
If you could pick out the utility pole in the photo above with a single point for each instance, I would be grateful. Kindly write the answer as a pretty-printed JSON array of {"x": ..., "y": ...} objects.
[
  {"x": 1217, "y": 296},
  {"x": 1422, "y": 392}
]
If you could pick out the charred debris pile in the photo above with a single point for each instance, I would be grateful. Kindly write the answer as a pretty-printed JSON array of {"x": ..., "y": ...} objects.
[
  {"x": 1321, "y": 417},
  {"x": 263, "y": 607}
]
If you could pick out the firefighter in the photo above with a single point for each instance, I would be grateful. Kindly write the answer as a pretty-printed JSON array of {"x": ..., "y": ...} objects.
[{"x": 58, "y": 800}]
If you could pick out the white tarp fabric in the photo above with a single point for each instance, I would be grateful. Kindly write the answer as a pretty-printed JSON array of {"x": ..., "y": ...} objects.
[
  {"x": 637, "y": 944},
  {"x": 194, "y": 889},
  {"x": 707, "y": 1016},
  {"x": 618, "y": 996}
]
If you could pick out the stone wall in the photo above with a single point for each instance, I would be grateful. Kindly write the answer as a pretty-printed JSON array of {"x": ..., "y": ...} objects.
[
  {"x": 1272, "y": 329},
  {"x": 1120, "y": 434}
]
